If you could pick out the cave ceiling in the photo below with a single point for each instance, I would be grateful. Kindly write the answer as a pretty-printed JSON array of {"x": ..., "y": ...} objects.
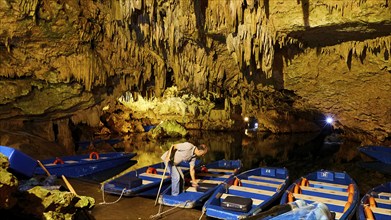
[{"x": 59, "y": 58}]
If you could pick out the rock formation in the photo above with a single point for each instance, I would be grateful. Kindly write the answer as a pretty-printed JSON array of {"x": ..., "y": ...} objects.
[{"x": 289, "y": 63}]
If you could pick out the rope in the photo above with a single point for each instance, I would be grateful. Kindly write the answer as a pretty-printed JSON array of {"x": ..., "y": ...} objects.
[
  {"x": 161, "y": 213},
  {"x": 202, "y": 214},
  {"x": 110, "y": 203}
]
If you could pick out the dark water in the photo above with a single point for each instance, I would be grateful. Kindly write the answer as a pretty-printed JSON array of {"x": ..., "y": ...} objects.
[{"x": 299, "y": 153}]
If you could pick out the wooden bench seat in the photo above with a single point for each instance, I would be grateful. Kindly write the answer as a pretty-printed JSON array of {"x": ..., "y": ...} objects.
[
  {"x": 384, "y": 201},
  {"x": 320, "y": 199},
  {"x": 162, "y": 169},
  {"x": 71, "y": 161},
  {"x": 252, "y": 190},
  {"x": 266, "y": 178},
  {"x": 221, "y": 170},
  {"x": 191, "y": 189},
  {"x": 313, "y": 182},
  {"x": 338, "y": 215},
  {"x": 382, "y": 211},
  {"x": 320, "y": 190},
  {"x": 153, "y": 175},
  {"x": 145, "y": 182},
  {"x": 49, "y": 164},
  {"x": 258, "y": 183},
  {"x": 213, "y": 175},
  {"x": 255, "y": 201},
  {"x": 208, "y": 181},
  {"x": 385, "y": 194}
]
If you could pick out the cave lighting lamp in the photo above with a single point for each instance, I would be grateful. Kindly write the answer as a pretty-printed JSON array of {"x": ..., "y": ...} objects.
[
  {"x": 329, "y": 120},
  {"x": 246, "y": 119}
]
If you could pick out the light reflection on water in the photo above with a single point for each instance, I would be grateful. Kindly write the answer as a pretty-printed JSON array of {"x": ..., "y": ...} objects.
[{"x": 300, "y": 153}]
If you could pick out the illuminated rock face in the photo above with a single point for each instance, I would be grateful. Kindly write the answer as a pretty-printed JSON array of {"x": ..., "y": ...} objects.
[{"x": 278, "y": 60}]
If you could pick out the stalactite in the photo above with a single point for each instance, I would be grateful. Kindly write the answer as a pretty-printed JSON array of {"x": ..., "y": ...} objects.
[
  {"x": 89, "y": 116},
  {"x": 343, "y": 6},
  {"x": 28, "y": 7},
  {"x": 357, "y": 48}
]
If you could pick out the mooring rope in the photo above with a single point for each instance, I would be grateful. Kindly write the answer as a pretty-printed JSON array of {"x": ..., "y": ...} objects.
[
  {"x": 103, "y": 196},
  {"x": 161, "y": 213}
]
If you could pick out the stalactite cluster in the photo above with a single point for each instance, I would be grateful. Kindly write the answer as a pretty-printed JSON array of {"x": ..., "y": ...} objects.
[{"x": 240, "y": 50}]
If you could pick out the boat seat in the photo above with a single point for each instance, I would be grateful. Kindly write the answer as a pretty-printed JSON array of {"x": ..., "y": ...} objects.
[
  {"x": 213, "y": 175},
  {"x": 384, "y": 201},
  {"x": 71, "y": 161},
  {"x": 266, "y": 178},
  {"x": 88, "y": 159},
  {"x": 153, "y": 175},
  {"x": 338, "y": 215},
  {"x": 221, "y": 170},
  {"x": 50, "y": 164},
  {"x": 258, "y": 183},
  {"x": 145, "y": 182},
  {"x": 321, "y": 190},
  {"x": 252, "y": 190},
  {"x": 382, "y": 211},
  {"x": 384, "y": 194},
  {"x": 313, "y": 182},
  {"x": 162, "y": 170},
  {"x": 191, "y": 189},
  {"x": 255, "y": 201},
  {"x": 209, "y": 181},
  {"x": 320, "y": 199}
]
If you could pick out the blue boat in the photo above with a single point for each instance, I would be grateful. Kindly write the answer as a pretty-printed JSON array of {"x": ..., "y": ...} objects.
[
  {"x": 337, "y": 190},
  {"x": 19, "y": 162},
  {"x": 209, "y": 177},
  {"x": 144, "y": 181},
  {"x": 263, "y": 185},
  {"x": 376, "y": 166},
  {"x": 376, "y": 204},
  {"x": 380, "y": 153},
  {"x": 83, "y": 165}
]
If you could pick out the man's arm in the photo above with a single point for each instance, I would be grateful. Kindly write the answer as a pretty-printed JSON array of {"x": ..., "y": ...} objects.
[{"x": 192, "y": 175}]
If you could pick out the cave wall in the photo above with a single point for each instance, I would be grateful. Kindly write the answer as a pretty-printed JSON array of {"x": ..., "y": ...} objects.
[{"x": 60, "y": 59}]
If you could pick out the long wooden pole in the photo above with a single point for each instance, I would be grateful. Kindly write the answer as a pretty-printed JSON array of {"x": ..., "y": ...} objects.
[
  {"x": 43, "y": 167},
  {"x": 161, "y": 183},
  {"x": 164, "y": 173},
  {"x": 69, "y": 186}
]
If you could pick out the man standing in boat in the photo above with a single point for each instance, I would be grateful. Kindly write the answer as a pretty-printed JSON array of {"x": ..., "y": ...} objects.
[{"x": 182, "y": 152}]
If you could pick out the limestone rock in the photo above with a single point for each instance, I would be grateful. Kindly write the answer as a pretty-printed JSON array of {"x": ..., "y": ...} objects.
[
  {"x": 61, "y": 59},
  {"x": 53, "y": 203},
  {"x": 168, "y": 129},
  {"x": 8, "y": 187}
]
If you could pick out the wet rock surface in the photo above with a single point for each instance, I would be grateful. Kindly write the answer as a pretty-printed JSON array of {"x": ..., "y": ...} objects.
[{"x": 22, "y": 199}]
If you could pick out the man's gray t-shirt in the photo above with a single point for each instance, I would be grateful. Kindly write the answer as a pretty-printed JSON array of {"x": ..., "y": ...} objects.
[{"x": 184, "y": 152}]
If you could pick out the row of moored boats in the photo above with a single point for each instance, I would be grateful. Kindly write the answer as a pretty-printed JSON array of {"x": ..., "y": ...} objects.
[
  {"x": 223, "y": 190},
  {"x": 226, "y": 193}
]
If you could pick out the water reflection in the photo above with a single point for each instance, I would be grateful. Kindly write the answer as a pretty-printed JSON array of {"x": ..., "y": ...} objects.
[{"x": 300, "y": 153}]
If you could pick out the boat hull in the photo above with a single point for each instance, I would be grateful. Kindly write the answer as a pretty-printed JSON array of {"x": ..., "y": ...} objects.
[
  {"x": 382, "y": 208},
  {"x": 150, "y": 182},
  {"x": 19, "y": 162},
  {"x": 380, "y": 153},
  {"x": 262, "y": 185},
  {"x": 217, "y": 173},
  {"x": 83, "y": 165},
  {"x": 334, "y": 189}
]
